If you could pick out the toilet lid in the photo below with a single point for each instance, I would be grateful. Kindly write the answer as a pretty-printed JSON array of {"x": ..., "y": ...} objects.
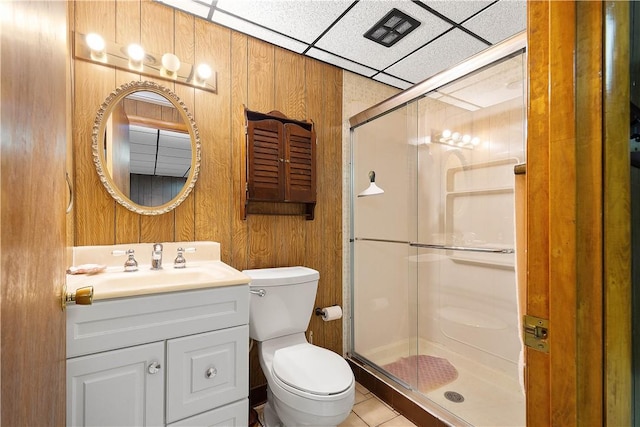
[{"x": 312, "y": 369}]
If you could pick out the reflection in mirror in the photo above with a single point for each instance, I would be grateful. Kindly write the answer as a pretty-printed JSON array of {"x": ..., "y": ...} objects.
[{"x": 146, "y": 148}]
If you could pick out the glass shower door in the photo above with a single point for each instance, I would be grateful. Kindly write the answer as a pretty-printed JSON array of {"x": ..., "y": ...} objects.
[{"x": 384, "y": 286}]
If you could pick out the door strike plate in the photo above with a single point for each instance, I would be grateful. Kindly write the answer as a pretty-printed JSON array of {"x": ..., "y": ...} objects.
[{"x": 536, "y": 333}]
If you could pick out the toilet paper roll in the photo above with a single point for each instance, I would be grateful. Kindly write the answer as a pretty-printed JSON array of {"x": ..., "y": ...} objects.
[{"x": 331, "y": 313}]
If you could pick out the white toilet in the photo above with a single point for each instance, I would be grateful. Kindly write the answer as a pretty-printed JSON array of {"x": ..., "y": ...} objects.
[{"x": 306, "y": 385}]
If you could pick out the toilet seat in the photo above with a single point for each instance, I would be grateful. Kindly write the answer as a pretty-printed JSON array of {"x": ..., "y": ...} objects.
[{"x": 308, "y": 369}]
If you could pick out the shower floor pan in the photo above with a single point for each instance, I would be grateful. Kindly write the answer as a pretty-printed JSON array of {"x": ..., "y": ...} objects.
[{"x": 489, "y": 397}]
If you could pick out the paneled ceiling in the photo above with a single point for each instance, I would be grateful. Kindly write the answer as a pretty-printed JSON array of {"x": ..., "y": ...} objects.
[{"x": 333, "y": 31}]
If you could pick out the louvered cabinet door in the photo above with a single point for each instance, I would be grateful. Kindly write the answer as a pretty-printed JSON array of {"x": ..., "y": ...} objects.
[
  {"x": 299, "y": 164},
  {"x": 265, "y": 161}
]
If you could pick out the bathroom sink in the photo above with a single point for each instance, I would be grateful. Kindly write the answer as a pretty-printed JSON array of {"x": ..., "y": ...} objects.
[{"x": 203, "y": 270}]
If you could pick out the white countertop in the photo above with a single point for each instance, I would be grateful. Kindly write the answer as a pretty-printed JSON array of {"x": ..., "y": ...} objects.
[{"x": 203, "y": 270}]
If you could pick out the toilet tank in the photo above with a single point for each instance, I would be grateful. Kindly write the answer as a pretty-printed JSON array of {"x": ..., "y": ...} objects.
[{"x": 287, "y": 304}]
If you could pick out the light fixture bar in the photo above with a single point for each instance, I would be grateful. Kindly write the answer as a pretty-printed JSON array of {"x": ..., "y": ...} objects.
[{"x": 115, "y": 55}]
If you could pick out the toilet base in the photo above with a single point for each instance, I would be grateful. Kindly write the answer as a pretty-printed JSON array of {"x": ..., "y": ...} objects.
[
  {"x": 271, "y": 419},
  {"x": 295, "y": 418}
]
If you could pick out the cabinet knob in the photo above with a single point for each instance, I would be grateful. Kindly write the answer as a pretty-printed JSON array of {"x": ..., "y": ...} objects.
[
  {"x": 154, "y": 367},
  {"x": 211, "y": 372}
]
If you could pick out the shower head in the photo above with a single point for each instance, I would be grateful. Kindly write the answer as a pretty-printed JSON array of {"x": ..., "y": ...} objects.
[{"x": 373, "y": 189}]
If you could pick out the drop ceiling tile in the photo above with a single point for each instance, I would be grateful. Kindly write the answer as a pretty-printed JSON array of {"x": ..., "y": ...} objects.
[
  {"x": 340, "y": 62},
  {"x": 441, "y": 54},
  {"x": 392, "y": 81},
  {"x": 258, "y": 32},
  {"x": 457, "y": 11},
  {"x": 198, "y": 8},
  {"x": 304, "y": 20},
  {"x": 346, "y": 38},
  {"x": 512, "y": 16}
]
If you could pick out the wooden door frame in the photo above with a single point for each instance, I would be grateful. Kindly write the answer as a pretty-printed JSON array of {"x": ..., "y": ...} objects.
[{"x": 578, "y": 210}]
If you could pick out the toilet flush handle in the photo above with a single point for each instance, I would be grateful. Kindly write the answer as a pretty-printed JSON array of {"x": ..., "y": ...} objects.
[{"x": 259, "y": 292}]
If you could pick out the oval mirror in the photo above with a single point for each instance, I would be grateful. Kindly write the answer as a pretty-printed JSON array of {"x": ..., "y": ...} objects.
[{"x": 146, "y": 148}]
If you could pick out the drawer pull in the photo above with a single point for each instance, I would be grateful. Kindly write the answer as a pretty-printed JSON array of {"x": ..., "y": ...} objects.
[
  {"x": 154, "y": 367},
  {"x": 211, "y": 372}
]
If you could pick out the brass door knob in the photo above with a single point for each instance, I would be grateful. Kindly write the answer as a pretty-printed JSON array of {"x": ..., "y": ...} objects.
[{"x": 82, "y": 296}]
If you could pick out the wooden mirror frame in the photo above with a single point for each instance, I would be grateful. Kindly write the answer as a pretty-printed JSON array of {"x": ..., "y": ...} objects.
[{"x": 98, "y": 142}]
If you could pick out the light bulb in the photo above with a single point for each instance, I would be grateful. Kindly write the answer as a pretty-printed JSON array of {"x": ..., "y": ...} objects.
[
  {"x": 455, "y": 136},
  {"x": 446, "y": 133},
  {"x": 475, "y": 141},
  {"x": 95, "y": 42},
  {"x": 466, "y": 138},
  {"x": 204, "y": 72},
  {"x": 135, "y": 52},
  {"x": 170, "y": 62}
]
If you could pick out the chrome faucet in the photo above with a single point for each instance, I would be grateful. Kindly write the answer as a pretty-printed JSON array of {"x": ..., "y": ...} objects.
[{"x": 156, "y": 257}]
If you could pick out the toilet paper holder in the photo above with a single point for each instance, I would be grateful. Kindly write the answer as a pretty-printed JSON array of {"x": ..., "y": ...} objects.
[{"x": 333, "y": 312}]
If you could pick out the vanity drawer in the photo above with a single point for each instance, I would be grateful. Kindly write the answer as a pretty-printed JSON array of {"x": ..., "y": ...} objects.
[
  {"x": 206, "y": 371},
  {"x": 119, "y": 323}
]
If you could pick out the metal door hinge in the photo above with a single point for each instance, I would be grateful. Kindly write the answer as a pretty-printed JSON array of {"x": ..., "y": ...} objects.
[{"x": 536, "y": 333}]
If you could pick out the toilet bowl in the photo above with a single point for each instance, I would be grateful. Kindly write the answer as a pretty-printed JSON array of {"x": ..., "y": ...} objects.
[{"x": 306, "y": 385}]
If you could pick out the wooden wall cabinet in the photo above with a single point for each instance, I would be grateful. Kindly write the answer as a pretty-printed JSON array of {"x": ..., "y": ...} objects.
[{"x": 280, "y": 163}]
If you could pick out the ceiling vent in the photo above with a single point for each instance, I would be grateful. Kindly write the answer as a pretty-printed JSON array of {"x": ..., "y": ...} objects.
[{"x": 392, "y": 28}]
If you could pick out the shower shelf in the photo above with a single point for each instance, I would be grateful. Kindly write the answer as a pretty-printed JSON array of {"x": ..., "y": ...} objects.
[{"x": 476, "y": 201}]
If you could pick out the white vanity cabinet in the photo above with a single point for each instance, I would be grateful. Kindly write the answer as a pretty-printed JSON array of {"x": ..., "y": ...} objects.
[{"x": 175, "y": 359}]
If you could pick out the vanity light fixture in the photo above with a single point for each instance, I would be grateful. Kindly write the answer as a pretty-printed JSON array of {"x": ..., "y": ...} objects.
[
  {"x": 455, "y": 139},
  {"x": 93, "y": 48},
  {"x": 392, "y": 28},
  {"x": 373, "y": 189}
]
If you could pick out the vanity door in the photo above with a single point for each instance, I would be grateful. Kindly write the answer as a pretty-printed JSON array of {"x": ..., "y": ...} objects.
[{"x": 117, "y": 388}]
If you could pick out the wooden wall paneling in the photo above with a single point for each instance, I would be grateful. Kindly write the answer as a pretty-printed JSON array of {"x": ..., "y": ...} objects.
[
  {"x": 127, "y": 24},
  {"x": 537, "y": 363},
  {"x": 315, "y": 230},
  {"x": 617, "y": 235},
  {"x": 157, "y": 27},
  {"x": 96, "y": 16},
  {"x": 333, "y": 222},
  {"x": 213, "y": 202},
  {"x": 94, "y": 207},
  {"x": 262, "y": 242},
  {"x": 589, "y": 204},
  {"x": 184, "y": 43},
  {"x": 239, "y": 91},
  {"x": 289, "y": 84}
]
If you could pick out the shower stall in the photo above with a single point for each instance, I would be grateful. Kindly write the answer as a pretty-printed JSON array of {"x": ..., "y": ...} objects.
[{"x": 434, "y": 295}]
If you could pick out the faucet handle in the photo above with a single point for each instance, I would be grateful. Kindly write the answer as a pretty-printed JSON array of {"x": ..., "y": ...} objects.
[
  {"x": 131, "y": 264},
  {"x": 180, "y": 261}
]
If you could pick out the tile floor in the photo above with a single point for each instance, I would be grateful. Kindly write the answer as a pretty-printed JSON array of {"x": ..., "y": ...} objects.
[{"x": 369, "y": 411}]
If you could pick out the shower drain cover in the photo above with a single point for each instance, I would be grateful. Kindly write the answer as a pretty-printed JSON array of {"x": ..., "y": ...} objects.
[{"x": 454, "y": 396}]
